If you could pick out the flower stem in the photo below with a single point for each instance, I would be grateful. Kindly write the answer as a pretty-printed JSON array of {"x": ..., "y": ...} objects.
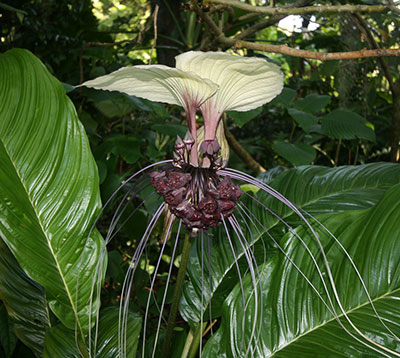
[
  {"x": 196, "y": 340},
  {"x": 177, "y": 296}
]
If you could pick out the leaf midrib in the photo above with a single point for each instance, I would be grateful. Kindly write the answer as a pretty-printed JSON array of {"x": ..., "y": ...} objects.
[{"x": 44, "y": 233}]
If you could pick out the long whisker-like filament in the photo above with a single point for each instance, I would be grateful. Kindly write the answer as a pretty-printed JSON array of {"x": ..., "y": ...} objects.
[
  {"x": 249, "y": 255},
  {"x": 239, "y": 276},
  {"x": 354, "y": 266},
  {"x": 100, "y": 269},
  {"x": 128, "y": 281},
  {"x": 250, "y": 258},
  {"x": 331, "y": 305},
  {"x": 210, "y": 284},
  {"x": 152, "y": 287},
  {"x": 202, "y": 293},
  {"x": 166, "y": 286}
]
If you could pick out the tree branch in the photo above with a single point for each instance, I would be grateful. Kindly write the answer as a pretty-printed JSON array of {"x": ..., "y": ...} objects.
[
  {"x": 286, "y": 50},
  {"x": 270, "y": 21},
  {"x": 373, "y": 44},
  {"x": 242, "y": 153},
  {"x": 303, "y": 10},
  {"x": 322, "y": 56}
]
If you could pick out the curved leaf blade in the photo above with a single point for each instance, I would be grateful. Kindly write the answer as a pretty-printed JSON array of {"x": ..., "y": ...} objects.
[
  {"x": 48, "y": 186},
  {"x": 60, "y": 341},
  {"x": 25, "y": 301},
  {"x": 295, "y": 321}
]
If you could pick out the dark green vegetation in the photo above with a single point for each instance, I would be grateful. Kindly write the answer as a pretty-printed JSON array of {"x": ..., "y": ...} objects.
[{"x": 60, "y": 157}]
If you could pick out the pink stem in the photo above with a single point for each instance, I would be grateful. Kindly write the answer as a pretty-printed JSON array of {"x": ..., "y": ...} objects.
[{"x": 191, "y": 116}]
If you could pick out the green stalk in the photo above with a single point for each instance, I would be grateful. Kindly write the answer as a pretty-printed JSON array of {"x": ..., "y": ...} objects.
[
  {"x": 82, "y": 347},
  {"x": 337, "y": 152},
  {"x": 188, "y": 343},
  {"x": 177, "y": 296},
  {"x": 196, "y": 340}
]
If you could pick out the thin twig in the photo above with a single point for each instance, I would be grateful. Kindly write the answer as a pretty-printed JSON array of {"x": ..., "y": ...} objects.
[
  {"x": 268, "y": 10},
  {"x": 243, "y": 154},
  {"x": 392, "y": 6},
  {"x": 272, "y": 20},
  {"x": 155, "y": 14},
  {"x": 90, "y": 44}
]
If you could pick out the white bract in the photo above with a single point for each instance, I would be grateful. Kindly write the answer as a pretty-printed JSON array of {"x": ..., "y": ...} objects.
[{"x": 212, "y": 82}]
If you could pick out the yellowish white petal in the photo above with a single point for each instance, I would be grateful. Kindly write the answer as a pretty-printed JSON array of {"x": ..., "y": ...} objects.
[
  {"x": 157, "y": 83},
  {"x": 245, "y": 82}
]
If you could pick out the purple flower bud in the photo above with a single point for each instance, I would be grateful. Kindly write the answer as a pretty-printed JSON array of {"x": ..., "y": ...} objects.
[
  {"x": 189, "y": 141},
  {"x": 179, "y": 144},
  {"x": 210, "y": 147}
]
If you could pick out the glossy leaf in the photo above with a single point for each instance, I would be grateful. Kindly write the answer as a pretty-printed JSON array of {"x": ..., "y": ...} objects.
[
  {"x": 8, "y": 339},
  {"x": 318, "y": 190},
  {"x": 107, "y": 346},
  {"x": 60, "y": 341},
  {"x": 49, "y": 194},
  {"x": 295, "y": 321},
  {"x": 25, "y": 301}
]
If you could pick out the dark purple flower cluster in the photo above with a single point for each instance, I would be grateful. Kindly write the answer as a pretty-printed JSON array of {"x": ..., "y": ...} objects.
[{"x": 197, "y": 195}]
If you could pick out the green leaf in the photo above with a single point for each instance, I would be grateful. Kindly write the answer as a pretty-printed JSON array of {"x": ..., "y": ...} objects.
[
  {"x": 60, "y": 341},
  {"x": 286, "y": 97},
  {"x": 304, "y": 119},
  {"x": 49, "y": 194},
  {"x": 297, "y": 321},
  {"x": 170, "y": 129},
  {"x": 111, "y": 104},
  {"x": 345, "y": 124},
  {"x": 313, "y": 103},
  {"x": 297, "y": 154},
  {"x": 8, "y": 340},
  {"x": 128, "y": 147},
  {"x": 107, "y": 346},
  {"x": 11, "y": 8},
  {"x": 241, "y": 118},
  {"x": 25, "y": 301},
  {"x": 318, "y": 190}
]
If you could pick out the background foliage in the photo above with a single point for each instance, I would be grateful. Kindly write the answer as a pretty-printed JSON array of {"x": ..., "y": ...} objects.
[{"x": 331, "y": 114}]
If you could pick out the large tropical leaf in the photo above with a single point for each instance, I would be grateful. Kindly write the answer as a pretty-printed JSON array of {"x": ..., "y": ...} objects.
[
  {"x": 48, "y": 186},
  {"x": 60, "y": 341},
  {"x": 318, "y": 190},
  {"x": 25, "y": 301},
  {"x": 8, "y": 340},
  {"x": 295, "y": 322}
]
